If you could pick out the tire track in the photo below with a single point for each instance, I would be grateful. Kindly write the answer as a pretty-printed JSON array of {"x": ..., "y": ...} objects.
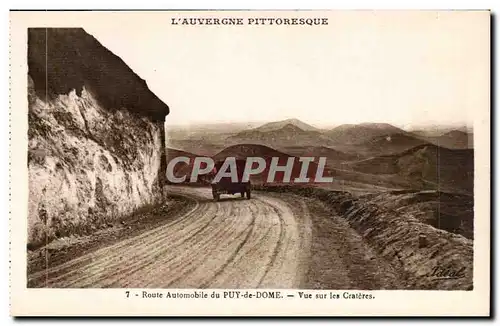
[
  {"x": 145, "y": 252},
  {"x": 277, "y": 247},
  {"x": 72, "y": 266},
  {"x": 196, "y": 251},
  {"x": 201, "y": 274},
  {"x": 234, "y": 254},
  {"x": 85, "y": 275},
  {"x": 151, "y": 259}
]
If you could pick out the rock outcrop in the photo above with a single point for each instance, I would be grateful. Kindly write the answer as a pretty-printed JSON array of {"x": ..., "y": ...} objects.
[{"x": 96, "y": 138}]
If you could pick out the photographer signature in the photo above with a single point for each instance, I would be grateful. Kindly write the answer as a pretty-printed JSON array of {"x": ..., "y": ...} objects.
[{"x": 446, "y": 273}]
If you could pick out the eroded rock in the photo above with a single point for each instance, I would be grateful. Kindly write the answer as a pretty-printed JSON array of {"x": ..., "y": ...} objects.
[{"x": 96, "y": 144}]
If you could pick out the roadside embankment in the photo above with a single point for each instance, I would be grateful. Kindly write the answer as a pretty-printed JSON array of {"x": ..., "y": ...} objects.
[{"x": 427, "y": 257}]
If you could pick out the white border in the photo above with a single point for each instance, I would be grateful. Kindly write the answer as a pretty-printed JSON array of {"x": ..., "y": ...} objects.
[{"x": 493, "y": 4}]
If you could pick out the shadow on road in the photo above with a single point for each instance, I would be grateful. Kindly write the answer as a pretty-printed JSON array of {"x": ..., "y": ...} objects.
[{"x": 229, "y": 198}]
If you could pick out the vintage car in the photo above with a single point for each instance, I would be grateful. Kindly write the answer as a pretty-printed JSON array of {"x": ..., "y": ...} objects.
[{"x": 227, "y": 186}]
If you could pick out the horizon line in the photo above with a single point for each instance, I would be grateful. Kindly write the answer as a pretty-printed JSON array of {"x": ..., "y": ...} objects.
[{"x": 404, "y": 126}]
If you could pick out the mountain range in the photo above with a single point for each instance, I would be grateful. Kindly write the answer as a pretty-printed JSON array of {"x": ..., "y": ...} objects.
[{"x": 377, "y": 154}]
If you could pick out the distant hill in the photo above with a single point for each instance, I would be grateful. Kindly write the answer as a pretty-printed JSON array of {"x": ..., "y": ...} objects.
[
  {"x": 390, "y": 144},
  {"x": 426, "y": 166},
  {"x": 334, "y": 157},
  {"x": 197, "y": 146},
  {"x": 181, "y": 169},
  {"x": 280, "y": 124},
  {"x": 242, "y": 151},
  {"x": 203, "y": 131},
  {"x": 454, "y": 139},
  {"x": 287, "y": 135},
  {"x": 425, "y": 133},
  {"x": 360, "y": 133},
  {"x": 439, "y": 130},
  {"x": 172, "y": 153}
]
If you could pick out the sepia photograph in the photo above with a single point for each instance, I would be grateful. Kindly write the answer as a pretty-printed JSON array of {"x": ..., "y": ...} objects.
[{"x": 294, "y": 154}]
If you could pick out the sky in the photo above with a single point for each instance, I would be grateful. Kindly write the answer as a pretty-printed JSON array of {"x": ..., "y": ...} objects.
[{"x": 408, "y": 69}]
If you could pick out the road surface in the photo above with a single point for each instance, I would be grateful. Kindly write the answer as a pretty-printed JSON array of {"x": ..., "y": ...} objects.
[{"x": 233, "y": 243}]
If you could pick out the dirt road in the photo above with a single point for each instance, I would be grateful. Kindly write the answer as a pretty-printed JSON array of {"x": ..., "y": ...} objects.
[
  {"x": 264, "y": 242},
  {"x": 232, "y": 243}
]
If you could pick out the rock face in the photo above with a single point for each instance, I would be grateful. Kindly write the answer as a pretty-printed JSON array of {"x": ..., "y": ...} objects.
[{"x": 96, "y": 138}]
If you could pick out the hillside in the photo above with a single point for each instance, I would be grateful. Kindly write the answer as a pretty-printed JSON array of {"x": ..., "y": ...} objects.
[
  {"x": 333, "y": 156},
  {"x": 439, "y": 130},
  {"x": 181, "y": 168},
  {"x": 426, "y": 166},
  {"x": 242, "y": 151},
  {"x": 198, "y": 146},
  {"x": 390, "y": 144},
  {"x": 280, "y": 124},
  {"x": 288, "y": 135},
  {"x": 414, "y": 231},
  {"x": 454, "y": 139},
  {"x": 425, "y": 133},
  {"x": 446, "y": 211},
  {"x": 213, "y": 132},
  {"x": 172, "y": 153},
  {"x": 360, "y": 133},
  {"x": 95, "y": 136}
]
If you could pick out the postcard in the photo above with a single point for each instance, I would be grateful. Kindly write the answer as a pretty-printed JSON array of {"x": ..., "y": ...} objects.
[{"x": 250, "y": 163}]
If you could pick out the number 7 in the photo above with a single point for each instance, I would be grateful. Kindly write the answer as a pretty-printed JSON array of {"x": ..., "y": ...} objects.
[{"x": 128, "y": 293}]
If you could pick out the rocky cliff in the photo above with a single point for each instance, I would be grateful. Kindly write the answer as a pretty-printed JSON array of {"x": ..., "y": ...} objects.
[{"x": 96, "y": 147}]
